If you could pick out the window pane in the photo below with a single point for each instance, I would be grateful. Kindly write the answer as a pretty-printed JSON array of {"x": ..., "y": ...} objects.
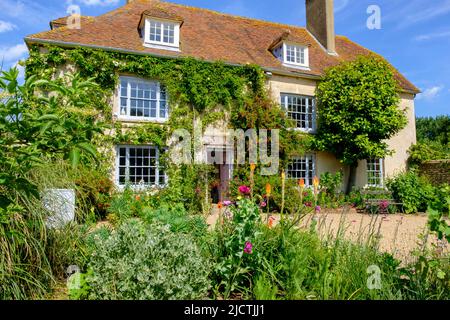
[
  {"x": 141, "y": 166},
  {"x": 374, "y": 172},
  {"x": 299, "y": 108},
  {"x": 302, "y": 168},
  {"x": 155, "y": 31},
  {"x": 144, "y": 99}
]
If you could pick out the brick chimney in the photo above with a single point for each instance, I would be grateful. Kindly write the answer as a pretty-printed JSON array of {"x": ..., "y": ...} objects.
[{"x": 320, "y": 22}]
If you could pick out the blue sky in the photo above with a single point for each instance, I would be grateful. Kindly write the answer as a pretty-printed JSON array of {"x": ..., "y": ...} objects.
[{"x": 414, "y": 34}]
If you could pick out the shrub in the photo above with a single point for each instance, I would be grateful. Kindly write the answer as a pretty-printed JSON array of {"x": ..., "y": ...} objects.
[
  {"x": 177, "y": 218},
  {"x": 124, "y": 205},
  {"x": 422, "y": 152},
  {"x": 413, "y": 191},
  {"x": 232, "y": 247},
  {"x": 330, "y": 184},
  {"x": 140, "y": 261}
]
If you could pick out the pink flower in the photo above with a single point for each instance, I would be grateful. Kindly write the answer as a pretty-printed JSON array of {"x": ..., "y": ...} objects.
[
  {"x": 244, "y": 190},
  {"x": 318, "y": 208},
  {"x": 263, "y": 204},
  {"x": 308, "y": 204},
  {"x": 227, "y": 203},
  {"x": 248, "y": 247}
]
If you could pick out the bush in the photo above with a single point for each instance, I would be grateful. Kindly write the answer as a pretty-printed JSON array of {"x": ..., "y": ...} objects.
[
  {"x": 422, "y": 152},
  {"x": 413, "y": 191},
  {"x": 177, "y": 218},
  {"x": 330, "y": 184},
  {"x": 231, "y": 247},
  {"x": 150, "y": 262}
]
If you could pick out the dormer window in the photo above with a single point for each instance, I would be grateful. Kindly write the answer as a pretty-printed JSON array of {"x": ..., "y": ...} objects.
[
  {"x": 160, "y": 29},
  {"x": 295, "y": 55},
  {"x": 290, "y": 53},
  {"x": 162, "y": 34}
]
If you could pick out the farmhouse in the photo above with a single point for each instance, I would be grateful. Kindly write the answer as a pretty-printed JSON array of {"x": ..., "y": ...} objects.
[{"x": 292, "y": 58}]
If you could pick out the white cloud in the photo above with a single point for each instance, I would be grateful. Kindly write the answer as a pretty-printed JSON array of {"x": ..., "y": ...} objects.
[
  {"x": 6, "y": 26},
  {"x": 14, "y": 53},
  {"x": 425, "y": 12},
  {"x": 430, "y": 93},
  {"x": 29, "y": 12},
  {"x": 431, "y": 36},
  {"x": 340, "y": 5}
]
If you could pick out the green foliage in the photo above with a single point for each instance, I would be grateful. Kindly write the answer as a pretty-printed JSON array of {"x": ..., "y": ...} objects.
[
  {"x": 149, "y": 262},
  {"x": 413, "y": 191},
  {"x": 36, "y": 129},
  {"x": 65, "y": 247},
  {"x": 233, "y": 267},
  {"x": 24, "y": 268},
  {"x": 434, "y": 129},
  {"x": 175, "y": 216},
  {"x": 437, "y": 211},
  {"x": 330, "y": 189},
  {"x": 358, "y": 110},
  {"x": 421, "y": 152},
  {"x": 433, "y": 140},
  {"x": 297, "y": 265}
]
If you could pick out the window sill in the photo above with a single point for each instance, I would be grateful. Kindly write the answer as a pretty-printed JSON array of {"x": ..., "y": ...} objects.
[
  {"x": 308, "y": 131},
  {"x": 152, "y": 189},
  {"x": 162, "y": 46},
  {"x": 141, "y": 120},
  {"x": 297, "y": 66}
]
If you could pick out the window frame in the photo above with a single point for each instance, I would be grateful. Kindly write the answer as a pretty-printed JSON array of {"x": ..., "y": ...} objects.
[
  {"x": 380, "y": 163},
  {"x": 164, "y": 45},
  {"x": 128, "y": 116},
  {"x": 127, "y": 168},
  {"x": 305, "y": 49},
  {"x": 308, "y": 179},
  {"x": 284, "y": 104}
]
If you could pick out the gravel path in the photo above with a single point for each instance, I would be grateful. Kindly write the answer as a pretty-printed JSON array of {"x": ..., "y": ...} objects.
[{"x": 399, "y": 234}]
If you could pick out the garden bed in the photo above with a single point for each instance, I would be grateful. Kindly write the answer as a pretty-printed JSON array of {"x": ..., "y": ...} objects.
[{"x": 399, "y": 233}]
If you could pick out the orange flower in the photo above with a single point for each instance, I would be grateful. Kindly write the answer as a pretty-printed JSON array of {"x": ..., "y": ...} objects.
[
  {"x": 301, "y": 183},
  {"x": 271, "y": 221},
  {"x": 220, "y": 205},
  {"x": 138, "y": 198},
  {"x": 316, "y": 182},
  {"x": 268, "y": 189},
  {"x": 252, "y": 167}
]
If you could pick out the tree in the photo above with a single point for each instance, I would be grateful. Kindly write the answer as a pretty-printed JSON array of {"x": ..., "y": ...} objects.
[{"x": 357, "y": 111}]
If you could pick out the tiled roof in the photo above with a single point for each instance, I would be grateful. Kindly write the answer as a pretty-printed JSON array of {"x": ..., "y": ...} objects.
[
  {"x": 62, "y": 22},
  {"x": 207, "y": 35}
]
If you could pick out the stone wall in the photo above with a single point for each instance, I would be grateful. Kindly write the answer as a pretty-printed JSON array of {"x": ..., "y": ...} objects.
[{"x": 437, "y": 171}]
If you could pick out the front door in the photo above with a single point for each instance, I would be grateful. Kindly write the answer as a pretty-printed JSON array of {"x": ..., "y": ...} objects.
[{"x": 220, "y": 186}]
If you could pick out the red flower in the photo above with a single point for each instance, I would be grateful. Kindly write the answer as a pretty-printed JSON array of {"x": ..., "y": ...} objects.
[
  {"x": 244, "y": 190},
  {"x": 248, "y": 247}
]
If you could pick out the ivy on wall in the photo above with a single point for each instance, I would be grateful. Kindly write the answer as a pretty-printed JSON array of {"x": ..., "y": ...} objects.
[{"x": 197, "y": 90}]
